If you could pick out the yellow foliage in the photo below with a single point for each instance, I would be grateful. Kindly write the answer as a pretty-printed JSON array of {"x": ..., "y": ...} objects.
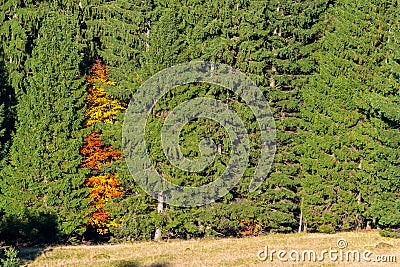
[
  {"x": 101, "y": 107},
  {"x": 103, "y": 188}
]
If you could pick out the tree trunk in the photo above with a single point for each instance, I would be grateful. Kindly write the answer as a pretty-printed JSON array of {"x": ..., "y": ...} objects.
[
  {"x": 160, "y": 209},
  {"x": 301, "y": 220}
]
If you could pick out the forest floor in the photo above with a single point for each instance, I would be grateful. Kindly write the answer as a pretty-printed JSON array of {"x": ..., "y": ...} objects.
[{"x": 228, "y": 252}]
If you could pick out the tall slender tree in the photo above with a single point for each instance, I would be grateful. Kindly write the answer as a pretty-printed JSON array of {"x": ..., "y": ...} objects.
[
  {"x": 116, "y": 32},
  {"x": 350, "y": 150},
  {"x": 44, "y": 175},
  {"x": 384, "y": 109},
  {"x": 102, "y": 181},
  {"x": 290, "y": 36},
  {"x": 3, "y": 102}
]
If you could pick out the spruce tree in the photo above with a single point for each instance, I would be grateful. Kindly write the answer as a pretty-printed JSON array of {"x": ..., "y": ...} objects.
[
  {"x": 350, "y": 146},
  {"x": 384, "y": 109},
  {"x": 3, "y": 129},
  {"x": 290, "y": 36},
  {"x": 116, "y": 33},
  {"x": 43, "y": 176},
  {"x": 271, "y": 43},
  {"x": 19, "y": 22}
]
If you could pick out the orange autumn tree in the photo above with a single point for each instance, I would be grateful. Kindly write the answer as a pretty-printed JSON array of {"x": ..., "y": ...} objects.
[{"x": 103, "y": 185}]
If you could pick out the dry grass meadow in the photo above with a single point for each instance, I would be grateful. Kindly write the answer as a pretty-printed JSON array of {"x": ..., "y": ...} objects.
[{"x": 215, "y": 252}]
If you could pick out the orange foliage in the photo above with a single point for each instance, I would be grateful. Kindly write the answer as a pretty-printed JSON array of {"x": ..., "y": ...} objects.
[
  {"x": 103, "y": 186},
  {"x": 249, "y": 228},
  {"x": 98, "y": 72},
  {"x": 96, "y": 154}
]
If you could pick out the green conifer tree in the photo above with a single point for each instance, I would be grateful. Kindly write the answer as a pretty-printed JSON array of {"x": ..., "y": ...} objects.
[
  {"x": 290, "y": 37},
  {"x": 349, "y": 152},
  {"x": 270, "y": 42},
  {"x": 44, "y": 175},
  {"x": 384, "y": 109},
  {"x": 3, "y": 128}
]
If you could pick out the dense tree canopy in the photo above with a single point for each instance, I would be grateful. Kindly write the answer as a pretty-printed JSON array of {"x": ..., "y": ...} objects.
[
  {"x": 328, "y": 69},
  {"x": 350, "y": 151}
]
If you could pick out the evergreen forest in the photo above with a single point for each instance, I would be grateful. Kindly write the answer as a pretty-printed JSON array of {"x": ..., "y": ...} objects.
[{"x": 330, "y": 71}]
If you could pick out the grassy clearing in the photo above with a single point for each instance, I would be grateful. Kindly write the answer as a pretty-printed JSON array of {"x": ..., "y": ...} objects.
[{"x": 218, "y": 252}]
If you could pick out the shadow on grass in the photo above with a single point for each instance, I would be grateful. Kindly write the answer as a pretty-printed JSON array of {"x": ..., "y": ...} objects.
[
  {"x": 29, "y": 234},
  {"x": 31, "y": 230},
  {"x": 28, "y": 254},
  {"x": 33, "y": 235}
]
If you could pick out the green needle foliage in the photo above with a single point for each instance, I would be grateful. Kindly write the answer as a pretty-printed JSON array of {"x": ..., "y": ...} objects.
[
  {"x": 271, "y": 43},
  {"x": 350, "y": 152},
  {"x": 43, "y": 176},
  {"x": 4, "y": 102},
  {"x": 329, "y": 70}
]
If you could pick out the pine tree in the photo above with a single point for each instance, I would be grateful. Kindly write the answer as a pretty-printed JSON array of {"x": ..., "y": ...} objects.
[
  {"x": 43, "y": 175},
  {"x": 290, "y": 35},
  {"x": 14, "y": 38},
  {"x": 2, "y": 132},
  {"x": 19, "y": 21}
]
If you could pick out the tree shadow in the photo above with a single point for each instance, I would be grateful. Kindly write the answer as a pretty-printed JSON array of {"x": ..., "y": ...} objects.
[
  {"x": 8, "y": 100},
  {"x": 29, "y": 229},
  {"x": 29, "y": 234},
  {"x": 28, "y": 254}
]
